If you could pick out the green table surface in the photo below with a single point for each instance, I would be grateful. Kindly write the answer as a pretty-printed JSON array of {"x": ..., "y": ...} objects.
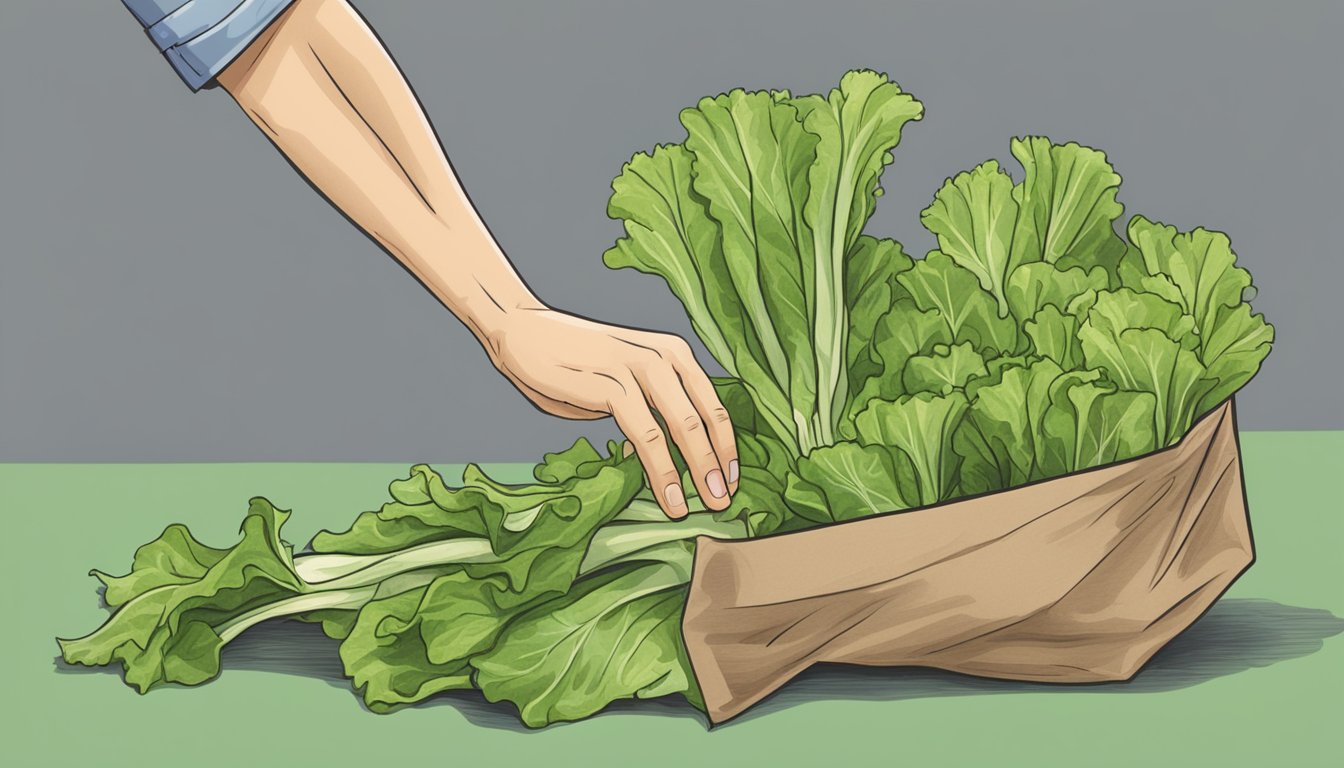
[{"x": 1258, "y": 681}]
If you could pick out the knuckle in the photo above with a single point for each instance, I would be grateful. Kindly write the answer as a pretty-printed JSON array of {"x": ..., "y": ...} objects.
[
  {"x": 691, "y": 423},
  {"x": 678, "y": 347},
  {"x": 720, "y": 415},
  {"x": 645, "y": 361},
  {"x": 651, "y": 436}
]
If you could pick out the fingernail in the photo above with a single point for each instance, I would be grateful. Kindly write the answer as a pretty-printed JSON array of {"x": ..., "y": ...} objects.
[
  {"x": 717, "y": 488},
  {"x": 674, "y": 497},
  {"x": 732, "y": 471}
]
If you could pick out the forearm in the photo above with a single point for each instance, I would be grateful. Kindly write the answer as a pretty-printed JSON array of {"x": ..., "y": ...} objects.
[{"x": 322, "y": 87}]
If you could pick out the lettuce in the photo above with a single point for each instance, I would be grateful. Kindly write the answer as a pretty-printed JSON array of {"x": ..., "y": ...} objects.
[{"x": 1032, "y": 342}]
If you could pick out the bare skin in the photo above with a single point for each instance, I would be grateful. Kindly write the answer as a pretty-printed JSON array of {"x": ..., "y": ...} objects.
[{"x": 321, "y": 86}]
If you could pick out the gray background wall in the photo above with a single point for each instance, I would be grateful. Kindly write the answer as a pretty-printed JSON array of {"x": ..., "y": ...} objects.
[{"x": 171, "y": 290}]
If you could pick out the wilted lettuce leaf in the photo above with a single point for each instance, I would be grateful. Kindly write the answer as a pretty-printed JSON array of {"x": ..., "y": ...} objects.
[
  {"x": 386, "y": 659},
  {"x": 536, "y": 531},
  {"x": 181, "y": 596},
  {"x": 614, "y": 636}
]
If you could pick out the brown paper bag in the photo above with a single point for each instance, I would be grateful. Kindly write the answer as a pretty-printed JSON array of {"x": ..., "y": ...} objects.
[{"x": 1072, "y": 580}]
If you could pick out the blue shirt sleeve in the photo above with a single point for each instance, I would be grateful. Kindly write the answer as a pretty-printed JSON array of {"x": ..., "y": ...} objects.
[{"x": 199, "y": 38}]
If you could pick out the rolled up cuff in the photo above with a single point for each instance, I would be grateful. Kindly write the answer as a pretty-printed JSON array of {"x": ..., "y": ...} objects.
[{"x": 199, "y": 38}]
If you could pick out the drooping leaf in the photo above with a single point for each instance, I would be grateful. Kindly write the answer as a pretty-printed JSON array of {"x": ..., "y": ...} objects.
[
  {"x": 170, "y": 617},
  {"x": 616, "y": 636},
  {"x": 535, "y": 530},
  {"x": 385, "y": 656}
]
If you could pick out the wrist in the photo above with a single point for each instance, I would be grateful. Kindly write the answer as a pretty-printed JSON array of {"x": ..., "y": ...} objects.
[{"x": 476, "y": 282}]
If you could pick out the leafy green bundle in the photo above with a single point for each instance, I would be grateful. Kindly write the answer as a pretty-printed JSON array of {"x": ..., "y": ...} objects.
[{"x": 1034, "y": 342}]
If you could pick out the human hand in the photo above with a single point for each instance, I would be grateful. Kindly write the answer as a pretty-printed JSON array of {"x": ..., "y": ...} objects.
[{"x": 580, "y": 369}]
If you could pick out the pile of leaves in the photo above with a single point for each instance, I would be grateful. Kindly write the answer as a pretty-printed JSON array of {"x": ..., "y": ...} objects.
[{"x": 1035, "y": 341}]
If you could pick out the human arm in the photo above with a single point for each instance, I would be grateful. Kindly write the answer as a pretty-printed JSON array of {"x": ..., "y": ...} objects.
[{"x": 321, "y": 86}]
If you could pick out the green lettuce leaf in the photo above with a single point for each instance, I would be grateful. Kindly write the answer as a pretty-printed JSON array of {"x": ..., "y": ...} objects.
[
  {"x": 858, "y": 125},
  {"x": 1033, "y": 287},
  {"x": 847, "y": 481},
  {"x": 1054, "y": 335},
  {"x": 385, "y": 656},
  {"x": 938, "y": 284},
  {"x": 1197, "y": 271},
  {"x": 1232, "y": 352},
  {"x": 1090, "y": 425},
  {"x": 870, "y": 292},
  {"x": 180, "y": 603},
  {"x": 669, "y": 233},
  {"x": 615, "y": 636},
  {"x": 973, "y": 216},
  {"x": 1001, "y": 437},
  {"x": 1147, "y": 360},
  {"x": 1068, "y": 206},
  {"x": 920, "y": 426},
  {"x": 902, "y": 332},
  {"x": 752, "y": 159},
  {"x": 536, "y": 531},
  {"x": 944, "y": 369}
]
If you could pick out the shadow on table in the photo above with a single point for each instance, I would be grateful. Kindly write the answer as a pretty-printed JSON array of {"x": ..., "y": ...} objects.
[{"x": 1235, "y": 635}]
